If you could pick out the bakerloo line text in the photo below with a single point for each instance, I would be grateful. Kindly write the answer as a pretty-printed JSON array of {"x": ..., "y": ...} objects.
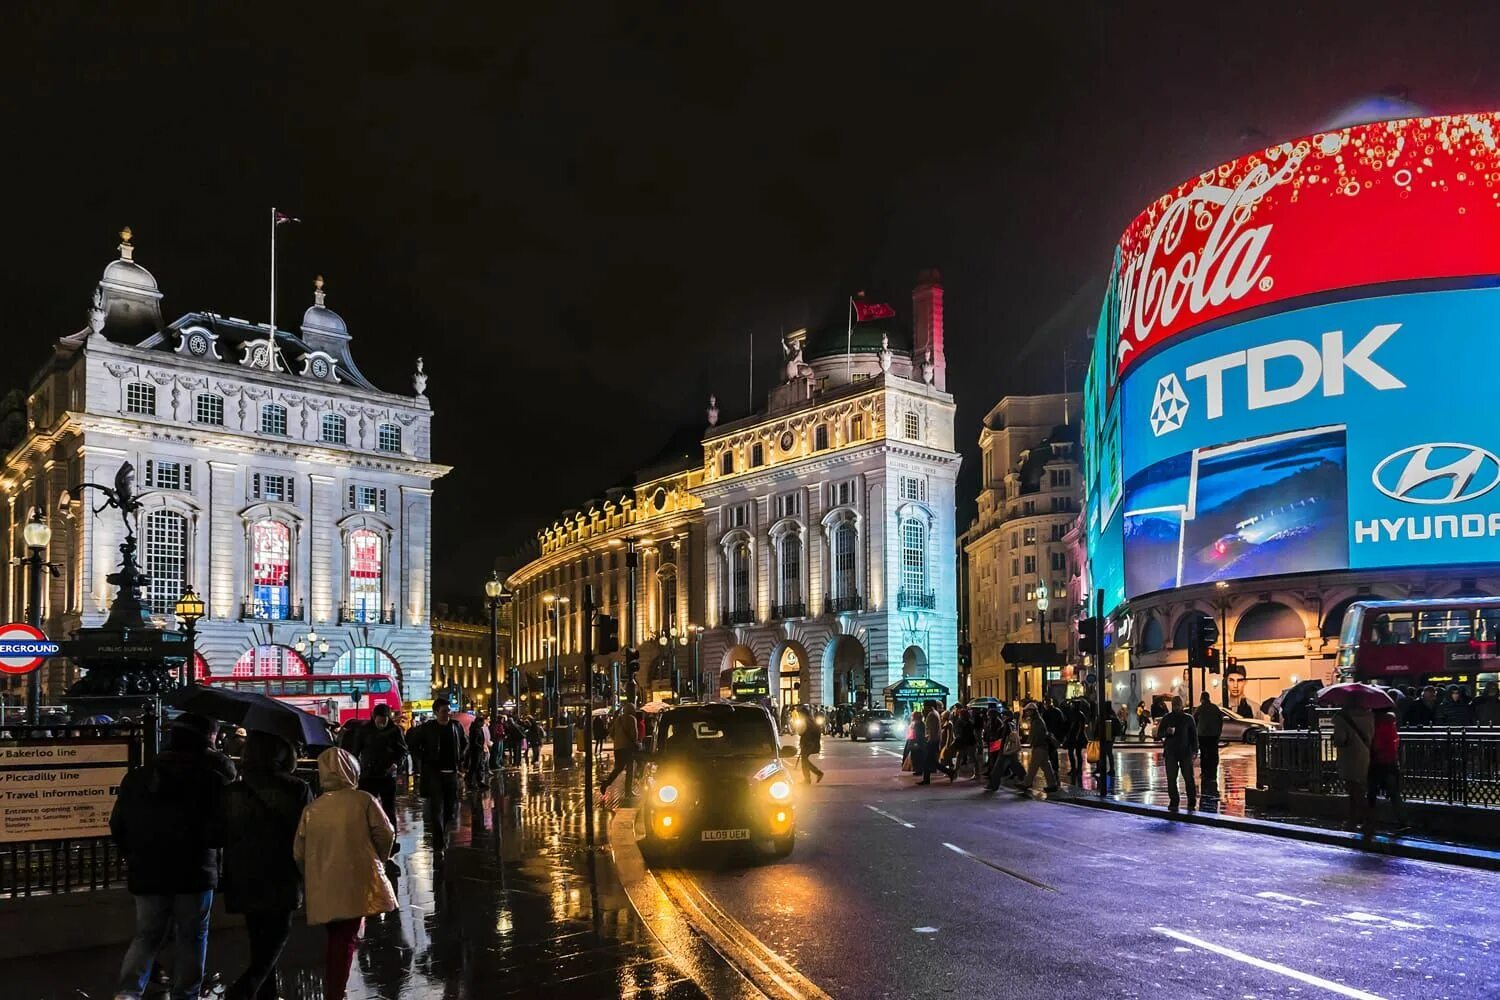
[{"x": 1429, "y": 526}]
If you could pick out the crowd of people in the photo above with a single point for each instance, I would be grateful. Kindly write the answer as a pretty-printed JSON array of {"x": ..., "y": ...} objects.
[{"x": 1453, "y": 705}]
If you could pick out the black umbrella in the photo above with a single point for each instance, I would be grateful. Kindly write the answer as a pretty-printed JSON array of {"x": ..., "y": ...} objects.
[
  {"x": 1296, "y": 701},
  {"x": 253, "y": 711}
]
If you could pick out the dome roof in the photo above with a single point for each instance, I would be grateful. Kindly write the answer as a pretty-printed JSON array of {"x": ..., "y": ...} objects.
[
  {"x": 127, "y": 274},
  {"x": 865, "y": 338},
  {"x": 324, "y": 320}
]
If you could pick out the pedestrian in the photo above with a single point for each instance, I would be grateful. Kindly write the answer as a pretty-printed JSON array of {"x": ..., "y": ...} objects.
[
  {"x": 1454, "y": 709},
  {"x": 916, "y": 744},
  {"x": 1423, "y": 711},
  {"x": 966, "y": 740},
  {"x": 533, "y": 735},
  {"x": 1057, "y": 724},
  {"x": 234, "y": 744},
  {"x": 1109, "y": 728},
  {"x": 1487, "y": 705},
  {"x": 1210, "y": 722},
  {"x": 1076, "y": 740},
  {"x": 1179, "y": 739},
  {"x": 625, "y": 735},
  {"x": 1005, "y": 752},
  {"x": 479, "y": 752},
  {"x": 1385, "y": 766},
  {"x": 343, "y": 842},
  {"x": 440, "y": 744},
  {"x": 1043, "y": 746},
  {"x": 932, "y": 734},
  {"x": 809, "y": 742},
  {"x": 1142, "y": 721},
  {"x": 382, "y": 749},
  {"x": 1353, "y": 736},
  {"x": 258, "y": 825},
  {"x": 165, "y": 821}
]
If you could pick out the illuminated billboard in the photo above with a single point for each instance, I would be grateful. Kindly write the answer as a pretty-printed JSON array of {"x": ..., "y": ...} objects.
[
  {"x": 1352, "y": 435},
  {"x": 1413, "y": 200}
]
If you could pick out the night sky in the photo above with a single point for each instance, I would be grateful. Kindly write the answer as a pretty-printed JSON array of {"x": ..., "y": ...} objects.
[{"x": 582, "y": 214}]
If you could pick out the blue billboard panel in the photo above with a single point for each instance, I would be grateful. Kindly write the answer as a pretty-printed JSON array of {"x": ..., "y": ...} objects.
[{"x": 1352, "y": 435}]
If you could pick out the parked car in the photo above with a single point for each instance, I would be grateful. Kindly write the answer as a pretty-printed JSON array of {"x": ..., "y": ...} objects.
[
  {"x": 1237, "y": 728},
  {"x": 876, "y": 724}
]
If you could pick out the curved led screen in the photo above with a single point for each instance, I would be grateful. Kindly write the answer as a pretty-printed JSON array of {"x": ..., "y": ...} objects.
[
  {"x": 1353, "y": 435},
  {"x": 1415, "y": 199}
]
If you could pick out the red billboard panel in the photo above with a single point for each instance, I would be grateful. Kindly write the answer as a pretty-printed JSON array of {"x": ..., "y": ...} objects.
[{"x": 1416, "y": 198}]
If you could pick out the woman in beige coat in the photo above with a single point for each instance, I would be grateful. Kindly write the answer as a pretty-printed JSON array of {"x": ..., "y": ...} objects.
[{"x": 342, "y": 843}]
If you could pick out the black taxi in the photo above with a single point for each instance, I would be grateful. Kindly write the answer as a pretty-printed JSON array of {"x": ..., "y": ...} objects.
[{"x": 714, "y": 776}]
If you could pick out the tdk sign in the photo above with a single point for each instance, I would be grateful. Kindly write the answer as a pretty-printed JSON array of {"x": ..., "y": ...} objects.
[{"x": 1330, "y": 364}]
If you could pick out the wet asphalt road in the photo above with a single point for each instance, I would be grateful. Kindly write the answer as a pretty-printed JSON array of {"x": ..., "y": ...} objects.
[{"x": 1039, "y": 899}]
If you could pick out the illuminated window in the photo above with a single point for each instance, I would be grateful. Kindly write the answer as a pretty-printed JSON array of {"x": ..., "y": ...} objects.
[
  {"x": 726, "y": 464},
  {"x": 856, "y": 428},
  {"x": 791, "y": 568},
  {"x": 335, "y": 429},
  {"x": 209, "y": 409},
  {"x": 365, "y": 573},
  {"x": 270, "y": 661},
  {"x": 911, "y": 426},
  {"x": 365, "y": 660},
  {"x": 914, "y": 557},
  {"x": 739, "y": 576},
  {"x": 388, "y": 437},
  {"x": 757, "y": 455},
  {"x": 845, "y": 540},
  {"x": 820, "y": 437},
  {"x": 140, "y": 398},
  {"x": 271, "y": 569},
  {"x": 166, "y": 559},
  {"x": 273, "y": 419}
]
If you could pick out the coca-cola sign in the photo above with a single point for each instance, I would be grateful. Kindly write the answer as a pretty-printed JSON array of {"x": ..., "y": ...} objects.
[{"x": 1413, "y": 199}]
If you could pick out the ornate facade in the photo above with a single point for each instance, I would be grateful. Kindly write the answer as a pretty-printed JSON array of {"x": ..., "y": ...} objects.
[{"x": 279, "y": 482}]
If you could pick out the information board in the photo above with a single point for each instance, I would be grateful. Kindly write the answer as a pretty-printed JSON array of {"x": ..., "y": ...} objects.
[{"x": 57, "y": 790}]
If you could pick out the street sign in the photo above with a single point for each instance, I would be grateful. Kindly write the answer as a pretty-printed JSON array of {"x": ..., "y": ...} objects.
[{"x": 23, "y": 648}]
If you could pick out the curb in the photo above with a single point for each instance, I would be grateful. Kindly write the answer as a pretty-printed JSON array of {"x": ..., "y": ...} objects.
[{"x": 1465, "y": 857}]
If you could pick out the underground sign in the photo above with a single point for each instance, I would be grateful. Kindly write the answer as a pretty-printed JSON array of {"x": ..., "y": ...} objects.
[{"x": 23, "y": 648}]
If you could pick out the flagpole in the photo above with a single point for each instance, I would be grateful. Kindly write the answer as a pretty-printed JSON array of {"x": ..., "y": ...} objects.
[
  {"x": 752, "y": 372},
  {"x": 849, "y": 344},
  {"x": 273, "y": 287}
]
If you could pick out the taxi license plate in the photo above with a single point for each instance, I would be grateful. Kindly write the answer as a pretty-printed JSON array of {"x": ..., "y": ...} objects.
[{"x": 740, "y": 834}]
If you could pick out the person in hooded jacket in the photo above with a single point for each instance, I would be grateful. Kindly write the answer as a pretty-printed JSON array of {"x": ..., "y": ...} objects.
[
  {"x": 258, "y": 823},
  {"x": 342, "y": 844},
  {"x": 165, "y": 822}
]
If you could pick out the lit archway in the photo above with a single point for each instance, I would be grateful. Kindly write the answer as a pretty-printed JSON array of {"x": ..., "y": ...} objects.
[
  {"x": 368, "y": 660},
  {"x": 914, "y": 662},
  {"x": 791, "y": 674},
  {"x": 741, "y": 678},
  {"x": 270, "y": 661},
  {"x": 844, "y": 667}
]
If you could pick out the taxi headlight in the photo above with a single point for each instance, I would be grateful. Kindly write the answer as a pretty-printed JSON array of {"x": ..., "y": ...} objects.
[
  {"x": 780, "y": 790},
  {"x": 667, "y": 794}
]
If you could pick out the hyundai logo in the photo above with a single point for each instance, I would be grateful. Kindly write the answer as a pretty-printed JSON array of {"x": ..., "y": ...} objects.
[{"x": 1445, "y": 472}]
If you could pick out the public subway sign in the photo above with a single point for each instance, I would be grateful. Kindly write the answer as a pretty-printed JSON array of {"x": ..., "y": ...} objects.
[
  {"x": 1395, "y": 201},
  {"x": 57, "y": 790}
]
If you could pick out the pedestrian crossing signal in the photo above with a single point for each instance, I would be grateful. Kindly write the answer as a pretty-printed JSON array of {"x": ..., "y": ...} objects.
[{"x": 608, "y": 635}]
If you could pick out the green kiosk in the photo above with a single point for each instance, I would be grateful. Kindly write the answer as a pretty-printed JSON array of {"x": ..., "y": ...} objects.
[{"x": 908, "y": 694}]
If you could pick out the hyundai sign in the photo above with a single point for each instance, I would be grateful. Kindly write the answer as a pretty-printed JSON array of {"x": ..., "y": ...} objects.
[{"x": 1300, "y": 361}]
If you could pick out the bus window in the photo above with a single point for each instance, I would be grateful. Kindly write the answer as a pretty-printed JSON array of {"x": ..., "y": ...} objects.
[
  {"x": 1391, "y": 628},
  {"x": 1446, "y": 625},
  {"x": 294, "y": 687},
  {"x": 1488, "y": 626},
  {"x": 380, "y": 685}
]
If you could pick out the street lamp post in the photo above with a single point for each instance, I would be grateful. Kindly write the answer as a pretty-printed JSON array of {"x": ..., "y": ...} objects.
[
  {"x": 189, "y": 611},
  {"x": 493, "y": 588},
  {"x": 311, "y": 647},
  {"x": 38, "y": 535},
  {"x": 555, "y": 602},
  {"x": 1042, "y": 603},
  {"x": 1222, "y": 603},
  {"x": 695, "y": 632}
]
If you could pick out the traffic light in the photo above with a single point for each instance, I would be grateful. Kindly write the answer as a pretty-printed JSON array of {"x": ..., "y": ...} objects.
[
  {"x": 632, "y": 671},
  {"x": 607, "y": 638},
  {"x": 1213, "y": 660},
  {"x": 1202, "y": 636},
  {"x": 1089, "y": 634},
  {"x": 965, "y": 655}
]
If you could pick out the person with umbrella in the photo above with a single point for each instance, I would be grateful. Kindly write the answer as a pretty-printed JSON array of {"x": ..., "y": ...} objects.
[
  {"x": 1353, "y": 738},
  {"x": 440, "y": 744}
]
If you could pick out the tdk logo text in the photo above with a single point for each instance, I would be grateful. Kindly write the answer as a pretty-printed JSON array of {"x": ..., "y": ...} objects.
[{"x": 1331, "y": 365}]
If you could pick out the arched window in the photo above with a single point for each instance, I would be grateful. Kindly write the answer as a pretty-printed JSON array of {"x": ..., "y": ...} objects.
[
  {"x": 913, "y": 564},
  {"x": 1182, "y": 635},
  {"x": 335, "y": 429},
  {"x": 1268, "y": 620},
  {"x": 270, "y": 661},
  {"x": 366, "y": 573},
  {"x": 1151, "y": 636},
  {"x": 845, "y": 568},
  {"x": 271, "y": 570},
  {"x": 273, "y": 419},
  {"x": 366, "y": 660},
  {"x": 739, "y": 578},
  {"x": 667, "y": 595},
  {"x": 790, "y": 559},
  {"x": 166, "y": 559},
  {"x": 388, "y": 437}
]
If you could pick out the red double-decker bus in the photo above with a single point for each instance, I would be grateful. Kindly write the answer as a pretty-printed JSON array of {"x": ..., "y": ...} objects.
[
  {"x": 1443, "y": 641},
  {"x": 328, "y": 696}
]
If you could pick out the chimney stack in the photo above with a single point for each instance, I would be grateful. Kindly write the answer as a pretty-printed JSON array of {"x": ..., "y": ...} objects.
[{"x": 927, "y": 325}]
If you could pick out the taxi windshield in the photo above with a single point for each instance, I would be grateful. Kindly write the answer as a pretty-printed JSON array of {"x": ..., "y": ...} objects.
[{"x": 733, "y": 734}]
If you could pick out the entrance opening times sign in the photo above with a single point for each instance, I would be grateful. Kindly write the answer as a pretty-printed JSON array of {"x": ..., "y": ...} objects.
[{"x": 54, "y": 790}]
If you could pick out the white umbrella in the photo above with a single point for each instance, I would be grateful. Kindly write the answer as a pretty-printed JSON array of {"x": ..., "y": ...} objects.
[
  {"x": 602, "y": 711},
  {"x": 655, "y": 706}
]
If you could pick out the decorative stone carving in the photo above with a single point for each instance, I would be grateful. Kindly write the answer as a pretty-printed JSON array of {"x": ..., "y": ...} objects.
[
  {"x": 713, "y": 410},
  {"x": 419, "y": 380}
]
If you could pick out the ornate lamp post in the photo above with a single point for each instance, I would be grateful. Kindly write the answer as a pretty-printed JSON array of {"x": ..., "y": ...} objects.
[
  {"x": 1042, "y": 603},
  {"x": 669, "y": 639},
  {"x": 189, "y": 611},
  {"x": 494, "y": 589},
  {"x": 555, "y": 602},
  {"x": 37, "y": 535},
  {"x": 311, "y": 647}
]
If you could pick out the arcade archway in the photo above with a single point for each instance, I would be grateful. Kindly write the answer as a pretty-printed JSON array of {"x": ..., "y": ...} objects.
[{"x": 844, "y": 665}]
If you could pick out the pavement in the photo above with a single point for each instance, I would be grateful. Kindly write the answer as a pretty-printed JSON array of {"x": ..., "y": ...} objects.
[{"x": 896, "y": 890}]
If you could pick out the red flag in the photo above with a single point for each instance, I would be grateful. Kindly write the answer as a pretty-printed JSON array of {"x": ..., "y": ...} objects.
[
  {"x": 871, "y": 310},
  {"x": 283, "y": 217}
]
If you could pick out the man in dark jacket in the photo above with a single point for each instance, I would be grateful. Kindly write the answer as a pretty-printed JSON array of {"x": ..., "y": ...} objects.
[
  {"x": 1057, "y": 724},
  {"x": 440, "y": 744},
  {"x": 809, "y": 742},
  {"x": 165, "y": 821},
  {"x": 1423, "y": 712},
  {"x": 1179, "y": 741},
  {"x": 1210, "y": 722},
  {"x": 380, "y": 748},
  {"x": 258, "y": 824}
]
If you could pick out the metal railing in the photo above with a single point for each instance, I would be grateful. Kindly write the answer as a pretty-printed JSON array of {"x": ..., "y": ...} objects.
[
  {"x": 838, "y": 605},
  {"x": 264, "y": 611},
  {"x": 367, "y": 615},
  {"x": 1449, "y": 766},
  {"x": 781, "y": 612},
  {"x": 916, "y": 600},
  {"x": 737, "y": 616}
]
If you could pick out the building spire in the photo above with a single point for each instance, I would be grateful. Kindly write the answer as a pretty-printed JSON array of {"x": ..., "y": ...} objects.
[{"x": 127, "y": 252}]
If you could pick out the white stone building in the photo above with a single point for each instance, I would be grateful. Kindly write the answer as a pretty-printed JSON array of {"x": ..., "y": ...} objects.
[
  {"x": 280, "y": 483},
  {"x": 829, "y": 517}
]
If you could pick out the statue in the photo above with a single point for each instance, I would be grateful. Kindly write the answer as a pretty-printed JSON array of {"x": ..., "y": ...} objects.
[
  {"x": 96, "y": 312},
  {"x": 123, "y": 497},
  {"x": 929, "y": 371},
  {"x": 793, "y": 359},
  {"x": 713, "y": 410},
  {"x": 885, "y": 353},
  {"x": 419, "y": 380}
]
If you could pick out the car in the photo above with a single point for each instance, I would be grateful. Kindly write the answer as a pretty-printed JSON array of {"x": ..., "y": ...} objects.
[
  {"x": 875, "y": 724},
  {"x": 1237, "y": 728},
  {"x": 717, "y": 777}
]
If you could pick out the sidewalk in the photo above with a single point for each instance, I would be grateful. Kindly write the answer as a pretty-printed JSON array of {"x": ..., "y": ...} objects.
[{"x": 517, "y": 905}]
